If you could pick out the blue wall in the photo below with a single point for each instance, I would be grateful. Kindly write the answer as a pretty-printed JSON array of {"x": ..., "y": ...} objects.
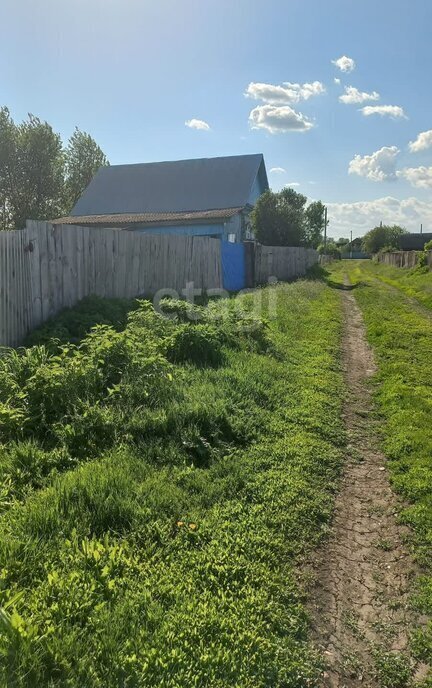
[{"x": 233, "y": 225}]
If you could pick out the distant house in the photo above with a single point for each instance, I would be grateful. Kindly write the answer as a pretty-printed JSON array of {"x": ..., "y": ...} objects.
[
  {"x": 209, "y": 196},
  {"x": 414, "y": 242}
]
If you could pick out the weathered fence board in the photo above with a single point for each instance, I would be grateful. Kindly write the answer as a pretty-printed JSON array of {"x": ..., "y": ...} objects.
[
  {"x": 403, "y": 259},
  {"x": 282, "y": 262},
  {"x": 45, "y": 268}
]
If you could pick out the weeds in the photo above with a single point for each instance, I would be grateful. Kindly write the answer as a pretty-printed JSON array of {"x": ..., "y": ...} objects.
[{"x": 160, "y": 484}]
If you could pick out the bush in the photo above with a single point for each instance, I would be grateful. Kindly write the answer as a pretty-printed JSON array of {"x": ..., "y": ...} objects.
[
  {"x": 423, "y": 256},
  {"x": 330, "y": 249},
  {"x": 182, "y": 311},
  {"x": 199, "y": 344}
]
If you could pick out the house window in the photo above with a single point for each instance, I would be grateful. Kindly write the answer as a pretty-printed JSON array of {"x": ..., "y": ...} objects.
[{"x": 231, "y": 238}]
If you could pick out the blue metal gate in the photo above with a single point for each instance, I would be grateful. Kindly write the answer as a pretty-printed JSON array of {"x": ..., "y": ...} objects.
[{"x": 233, "y": 266}]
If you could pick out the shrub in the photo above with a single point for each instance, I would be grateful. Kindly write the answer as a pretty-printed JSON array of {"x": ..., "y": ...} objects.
[
  {"x": 423, "y": 256},
  {"x": 199, "y": 344},
  {"x": 182, "y": 311}
]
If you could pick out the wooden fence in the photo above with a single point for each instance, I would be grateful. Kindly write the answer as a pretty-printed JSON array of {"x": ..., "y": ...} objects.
[
  {"x": 45, "y": 268},
  {"x": 403, "y": 259},
  {"x": 282, "y": 262}
]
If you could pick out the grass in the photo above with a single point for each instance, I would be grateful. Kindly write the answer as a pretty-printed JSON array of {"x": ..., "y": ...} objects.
[
  {"x": 159, "y": 487},
  {"x": 73, "y": 324},
  {"x": 415, "y": 283},
  {"x": 402, "y": 340}
]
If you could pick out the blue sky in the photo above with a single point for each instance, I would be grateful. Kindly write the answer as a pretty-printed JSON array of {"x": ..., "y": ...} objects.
[{"x": 132, "y": 72}]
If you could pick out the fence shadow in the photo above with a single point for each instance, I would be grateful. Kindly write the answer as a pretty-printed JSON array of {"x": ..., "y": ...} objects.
[
  {"x": 344, "y": 287},
  {"x": 318, "y": 272}
]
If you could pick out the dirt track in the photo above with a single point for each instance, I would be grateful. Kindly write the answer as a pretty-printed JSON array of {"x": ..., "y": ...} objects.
[{"x": 363, "y": 572}]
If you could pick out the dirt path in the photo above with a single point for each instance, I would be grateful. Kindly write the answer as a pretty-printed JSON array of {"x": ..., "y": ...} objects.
[{"x": 363, "y": 571}]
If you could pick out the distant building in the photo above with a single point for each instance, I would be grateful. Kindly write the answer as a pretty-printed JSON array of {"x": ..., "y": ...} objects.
[
  {"x": 209, "y": 196},
  {"x": 414, "y": 242}
]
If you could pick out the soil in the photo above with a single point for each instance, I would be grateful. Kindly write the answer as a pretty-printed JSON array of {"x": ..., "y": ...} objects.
[{"x": 363, "y": 573}]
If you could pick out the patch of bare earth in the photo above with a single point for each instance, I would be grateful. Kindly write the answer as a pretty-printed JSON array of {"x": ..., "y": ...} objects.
[{"x": 363, "y": 573}]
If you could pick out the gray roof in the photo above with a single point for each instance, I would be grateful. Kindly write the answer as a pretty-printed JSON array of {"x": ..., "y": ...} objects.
[
  {"x": 414, "y": 242},
  {"x": 167, "y": 187}
]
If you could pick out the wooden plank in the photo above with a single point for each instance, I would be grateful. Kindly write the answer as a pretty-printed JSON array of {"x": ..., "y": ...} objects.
[
  {"x": 35, "y": 274},
  {"x": 27, "y": 281},
  {"x": 66, "y": 271},
  {"x": 53, "y": 301}
]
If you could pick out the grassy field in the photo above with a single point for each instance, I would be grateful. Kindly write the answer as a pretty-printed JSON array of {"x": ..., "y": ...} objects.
[
  {"x": 415, "y": 283},
  {"x": 159, "y": 486},
  {"x": 401, "y": 337}
]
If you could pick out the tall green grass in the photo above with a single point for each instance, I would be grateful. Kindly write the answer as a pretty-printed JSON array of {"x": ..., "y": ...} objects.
[{"x": 160, "y": 486}]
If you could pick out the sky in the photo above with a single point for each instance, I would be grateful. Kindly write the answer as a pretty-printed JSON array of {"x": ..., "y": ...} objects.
[{"x": 335, "y": 93}]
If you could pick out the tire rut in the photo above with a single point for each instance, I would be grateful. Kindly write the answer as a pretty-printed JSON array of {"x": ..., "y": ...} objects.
[{"x": 363, "y": 572}]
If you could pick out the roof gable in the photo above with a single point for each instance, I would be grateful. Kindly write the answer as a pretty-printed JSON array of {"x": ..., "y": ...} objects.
[{"x": 166, "y": 187}]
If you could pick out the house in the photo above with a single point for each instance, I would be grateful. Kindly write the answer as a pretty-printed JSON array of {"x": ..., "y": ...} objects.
[
  {"x": 209, "y": 196},
  {"x": 414, "y": 242}
]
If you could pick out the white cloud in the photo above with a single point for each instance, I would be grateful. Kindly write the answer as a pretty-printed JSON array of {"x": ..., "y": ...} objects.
[
  {"x": 378, "y": 166},
  {"x": 291, "y": 185},
  {"x": 364, "y": 215},
  {"x": 197, "y": 124},
  {"x": 285, "y": 94},
  {"x": 277, "y": 170},
  {"x": 423, "y": 141},
  {"x": 394, "y": 111},
  {"x": 352, "y": 96},
  {"x": 420, "y": 177},
  {"x": 336, "y": 80},
  {"x": 344, "y": 63},
  {"x": 278, "y": 120}
]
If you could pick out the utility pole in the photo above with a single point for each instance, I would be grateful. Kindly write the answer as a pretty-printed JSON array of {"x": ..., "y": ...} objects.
[
  {"x": 351, "y": 246},
  {"x": 325, "y": 230},
  {"x": 421, "y": 228}
]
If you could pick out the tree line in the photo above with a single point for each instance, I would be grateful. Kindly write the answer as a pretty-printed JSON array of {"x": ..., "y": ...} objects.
[{"x": 40, "y": 177}]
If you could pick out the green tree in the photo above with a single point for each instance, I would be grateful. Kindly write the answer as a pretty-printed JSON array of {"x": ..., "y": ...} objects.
[
  {"x": 384, "y": 236},
  {"x": 7, "y": 167},
  {"x": 278, "y": 219},
  {"x": 40, "y": 180},
  {"x": 315, "y": 218},
  {"x": 83, "y": 158},
  {"x": 31, "y": 170}
]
